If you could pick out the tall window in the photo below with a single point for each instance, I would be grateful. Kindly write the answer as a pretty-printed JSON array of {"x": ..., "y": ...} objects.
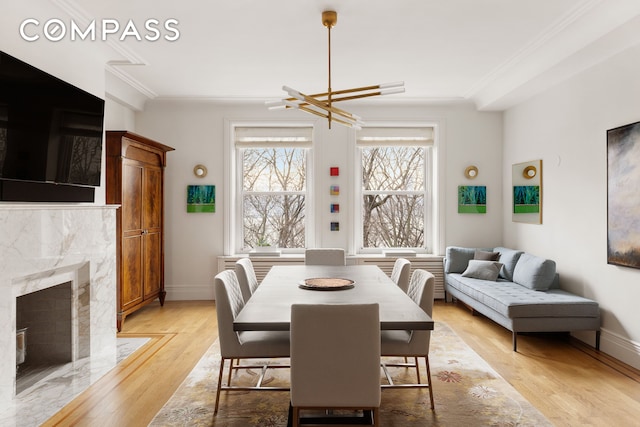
[
  {"x": 395, "y": 186},
  {"x": 272, "y": 185}
]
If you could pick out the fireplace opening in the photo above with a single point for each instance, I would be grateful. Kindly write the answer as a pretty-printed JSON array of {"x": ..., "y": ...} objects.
[{"x": 44, "y": 334}]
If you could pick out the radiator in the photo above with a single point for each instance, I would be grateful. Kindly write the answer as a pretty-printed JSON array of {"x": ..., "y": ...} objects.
[
  {"x": 262, "y": 265},
  {"x": 431, "y": 264}
]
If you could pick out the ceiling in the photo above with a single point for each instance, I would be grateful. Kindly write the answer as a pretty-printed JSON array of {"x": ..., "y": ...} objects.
[{"x": 494, "y": 53}]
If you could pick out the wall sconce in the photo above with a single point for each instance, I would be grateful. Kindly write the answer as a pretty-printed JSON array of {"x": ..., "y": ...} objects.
[
  {"x": 529, "y": 172},
  {"x": 200, "y": 171},
  {"x": 471, "y": 172}
]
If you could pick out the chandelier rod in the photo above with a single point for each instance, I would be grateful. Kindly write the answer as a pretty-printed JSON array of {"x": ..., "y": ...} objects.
[
  {"x": 358, "y": 89},
  {"x": 325, "y": 115},
  {"x": 300, "y": 99},
  {"x": 329, "y": 19},
  {"x": 383, "y": 91}
]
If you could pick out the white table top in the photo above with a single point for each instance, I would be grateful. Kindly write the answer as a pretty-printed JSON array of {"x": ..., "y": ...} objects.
[{"x": 269, "y": 308}]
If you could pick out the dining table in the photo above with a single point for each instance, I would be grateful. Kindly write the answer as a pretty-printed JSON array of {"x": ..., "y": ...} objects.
[{"x": 269, "y": 308}]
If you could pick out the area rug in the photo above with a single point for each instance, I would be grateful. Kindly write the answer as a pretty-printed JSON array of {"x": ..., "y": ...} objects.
[{"x": 467, "y": 392}]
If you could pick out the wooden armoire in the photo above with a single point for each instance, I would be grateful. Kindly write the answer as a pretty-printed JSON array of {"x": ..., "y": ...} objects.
[{"x": 135, "y": 181}]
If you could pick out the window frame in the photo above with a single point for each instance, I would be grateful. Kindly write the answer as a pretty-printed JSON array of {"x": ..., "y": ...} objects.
[
  {"x": 234, "y": 238},
  {"x": 430, "y": 192}
]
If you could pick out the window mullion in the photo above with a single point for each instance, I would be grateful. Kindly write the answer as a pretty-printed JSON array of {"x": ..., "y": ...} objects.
[
  {"x": 394, "y": 192},
  {"x": 275, "y": 193}
]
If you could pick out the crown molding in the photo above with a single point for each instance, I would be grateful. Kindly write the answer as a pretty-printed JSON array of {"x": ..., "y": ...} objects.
[
  {"x": 127, "y": 56},
  {"x": 568, "y": 46},
  {"x": 556, "y": 28}
]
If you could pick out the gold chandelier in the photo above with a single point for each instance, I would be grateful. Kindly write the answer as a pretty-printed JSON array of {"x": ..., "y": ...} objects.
[{"x": 321, "y": 104}]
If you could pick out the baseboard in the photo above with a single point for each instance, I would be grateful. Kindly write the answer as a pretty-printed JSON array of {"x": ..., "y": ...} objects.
[
  {"x": 613, "y": 345},
  {"x": 189, "y": 292},
  {"x": 607, "y": 359},
  {"x": 621, "y": 348}
]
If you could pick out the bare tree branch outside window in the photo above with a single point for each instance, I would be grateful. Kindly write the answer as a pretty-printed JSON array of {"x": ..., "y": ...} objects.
[
  {"x": 3, "y": 147},
  {"x": 274, "y": 191},
  {"x": 393, "y": 180},
  {"x": 86, "y": 155},
  {"x": 4, "y": 115}
]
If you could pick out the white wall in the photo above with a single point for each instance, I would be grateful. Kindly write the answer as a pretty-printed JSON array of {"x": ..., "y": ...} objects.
[
  {"x": 197, "y": 131},
  {"x": 118, "y": 116},
  {"x": 566, "y": 128}
]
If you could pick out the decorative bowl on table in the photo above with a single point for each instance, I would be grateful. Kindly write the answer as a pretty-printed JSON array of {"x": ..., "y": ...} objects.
[{"x": 326, "y": 284}]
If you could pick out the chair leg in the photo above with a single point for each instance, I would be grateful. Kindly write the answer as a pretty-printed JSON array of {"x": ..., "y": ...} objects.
[
  {"x": 290, "y": 415},
  {"x": 415, "y": 360},
  {"x": 230, "y": 371},
  {"x": 296, "y": 416},
  {"x": 426, "y": 360},
  {"x": 215, "y": 410},
  {"x": 376, "y": 416}
]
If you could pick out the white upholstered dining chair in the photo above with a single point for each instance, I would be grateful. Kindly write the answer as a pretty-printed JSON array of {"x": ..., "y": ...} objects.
[
  {"x": 401, "y": 273},
  {"x": 245, "y": 344},
  {"x": 415, "y": 343},
  {"x": 246, "y": 277},
  {"x": 335, "y": 359},
  {"x": 325, "y": 256}
]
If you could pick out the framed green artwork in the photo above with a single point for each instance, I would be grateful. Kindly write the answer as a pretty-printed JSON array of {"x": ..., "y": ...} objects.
[
  {"x": 201, "y": 198},
  {"x": 526, "y": 199},
  {"x": 527, "y": 192},
  {"x": 472, "y": 199}
]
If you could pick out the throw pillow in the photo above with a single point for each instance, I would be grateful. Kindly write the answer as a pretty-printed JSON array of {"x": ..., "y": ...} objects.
[
  {"x": 482, "y": 269},
  {"x": 486, "y": 255},
  {"x": 534, "y": 272},
  {"x": 509, "y": 257},
  {"x": 457, "y": 258}
]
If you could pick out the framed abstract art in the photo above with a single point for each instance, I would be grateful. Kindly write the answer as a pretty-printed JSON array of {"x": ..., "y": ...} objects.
[
  {"x": 623, "y": 203},
  {"x": 472, "y": 199},
  {"x": 201, "y": 198}
]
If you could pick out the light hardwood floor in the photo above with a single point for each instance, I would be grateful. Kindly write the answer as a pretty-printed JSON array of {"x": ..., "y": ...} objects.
[{"x": 571, "y": 385}]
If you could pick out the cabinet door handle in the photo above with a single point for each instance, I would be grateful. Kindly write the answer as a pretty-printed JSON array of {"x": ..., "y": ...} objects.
[{"x": 145, "y": 231}]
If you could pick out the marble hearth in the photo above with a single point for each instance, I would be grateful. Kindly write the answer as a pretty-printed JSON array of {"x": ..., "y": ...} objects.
[{"x": 42, "y": 246}]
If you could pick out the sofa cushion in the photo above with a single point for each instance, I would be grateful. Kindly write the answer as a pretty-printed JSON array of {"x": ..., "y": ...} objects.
[
  {"x": 512, "y": 301},
  {"x": 534, "y": 272},
  {"x": 509, "y": 259},
  {"x": 486, "y": 255},
  {"x": 457, "y": 258},
  {"x": 482, "y": 269}
]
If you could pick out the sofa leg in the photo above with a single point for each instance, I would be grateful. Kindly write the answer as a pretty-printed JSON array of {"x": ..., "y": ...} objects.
[
  {"x": 598, "y": 340},
  {"x": 515, "y": 341},
  {"x": 448, "y": 297}
]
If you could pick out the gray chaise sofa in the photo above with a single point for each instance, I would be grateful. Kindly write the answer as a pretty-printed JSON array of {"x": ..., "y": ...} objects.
[{"x": 521, "y": 292}]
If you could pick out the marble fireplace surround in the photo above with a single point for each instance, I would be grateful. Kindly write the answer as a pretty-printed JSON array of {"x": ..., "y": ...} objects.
[{"x": 43, "y": 246}]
